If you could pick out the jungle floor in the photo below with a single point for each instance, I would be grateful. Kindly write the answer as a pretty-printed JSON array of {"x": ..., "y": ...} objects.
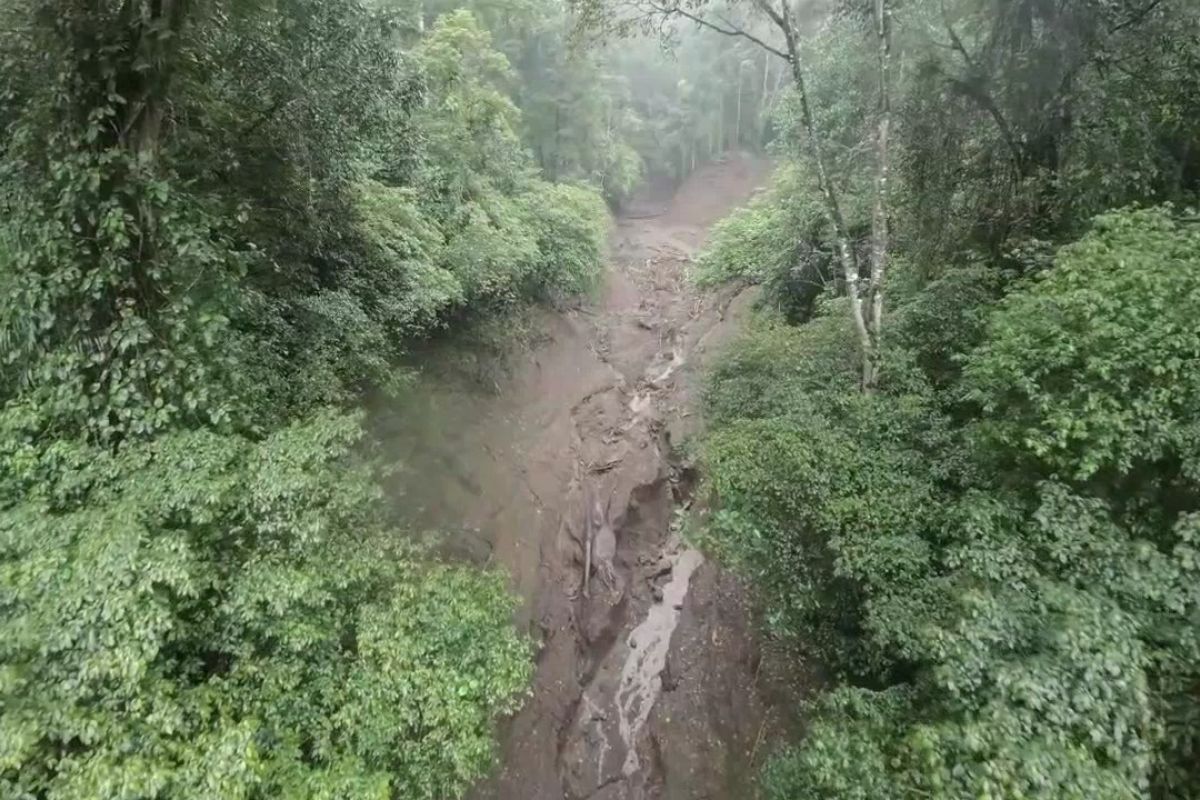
[{"x": 651, "y": 681}]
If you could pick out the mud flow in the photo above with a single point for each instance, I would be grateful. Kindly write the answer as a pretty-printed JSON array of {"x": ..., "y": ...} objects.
[{"x": 649, "y": 680}]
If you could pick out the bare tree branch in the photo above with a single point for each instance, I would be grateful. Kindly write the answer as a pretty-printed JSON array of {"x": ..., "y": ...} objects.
[
  {"x": 1136, "y": 18},
  {"x": 766, "y": 7},
  {"x": 712, "y": 26},
  {"x": 976, "y": 91}
]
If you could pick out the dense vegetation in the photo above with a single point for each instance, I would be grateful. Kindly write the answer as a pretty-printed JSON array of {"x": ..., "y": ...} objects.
[
  {"x": 221, "y": 224},
  {"x": 994, "y": 550},
  {"x": 957, "y": 450}
]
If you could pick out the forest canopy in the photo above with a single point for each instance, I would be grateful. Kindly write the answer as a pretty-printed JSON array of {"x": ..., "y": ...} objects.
[
  {"x": 980, "y": 519},
  {"x": 223, "y": 228},
  {"x": 954, "y": 452}
]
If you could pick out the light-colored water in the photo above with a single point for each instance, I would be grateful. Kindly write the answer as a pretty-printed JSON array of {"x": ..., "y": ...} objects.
[{"x": 649, "y": 643}]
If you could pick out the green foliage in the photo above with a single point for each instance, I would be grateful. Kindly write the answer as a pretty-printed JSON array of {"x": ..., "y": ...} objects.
[
  {"x": 219, "y": 225},
  {"x": 776, "y": 367},
  {"x": 831, "y": 535},
  {"x": 942, "y": 320},
  {"x": 846, "y": 756},
  {"x": 476, "y": 231},
  {"x": 570, "y": 226},
  {"x": 118, "y": 278},
  {"x": 414, "y": 289},
  {"x": 1041, "y": 686},
  {"x": 1024, "y": 637},
  {"x": 207, "y": 614},
  {"x": 1092, "y": 369},
  {"x": 750, "y": 244},
  {"x": 823, "y": 493},
  {"x": 469, "y": 122},
  {"x": 780, "y": 239},
  {"x": 121, "y": 335},
  {"x": 1025, "y": 129},
  {"x": 491, "y": 252}
]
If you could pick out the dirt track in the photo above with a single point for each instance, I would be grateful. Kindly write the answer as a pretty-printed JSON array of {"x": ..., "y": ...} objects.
[{"x": 648, "y": 680}]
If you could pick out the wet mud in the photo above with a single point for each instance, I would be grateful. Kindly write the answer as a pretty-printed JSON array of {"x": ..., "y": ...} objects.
[{"x": 650, "y": 679}]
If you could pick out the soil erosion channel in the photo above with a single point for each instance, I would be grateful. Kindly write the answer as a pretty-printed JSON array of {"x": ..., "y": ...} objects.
[{"x": 647, "y": 682}]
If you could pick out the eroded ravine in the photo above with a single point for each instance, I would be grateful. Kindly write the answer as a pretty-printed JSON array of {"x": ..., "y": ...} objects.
[{"x": 648, "y": 681}]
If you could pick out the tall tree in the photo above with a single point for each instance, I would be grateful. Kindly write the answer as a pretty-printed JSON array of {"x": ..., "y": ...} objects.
[
  {"x": 880, "y": 222},
  {"x": 775, "y": 26}
]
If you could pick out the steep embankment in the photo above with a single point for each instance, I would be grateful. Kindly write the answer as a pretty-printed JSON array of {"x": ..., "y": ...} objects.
[{"x": 647, "y": 679}]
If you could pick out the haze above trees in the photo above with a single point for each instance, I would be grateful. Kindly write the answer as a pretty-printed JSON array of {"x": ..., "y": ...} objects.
[{"x": 955, "y": 450}]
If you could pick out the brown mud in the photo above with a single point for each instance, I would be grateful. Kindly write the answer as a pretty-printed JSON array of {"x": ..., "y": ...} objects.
[{"x": 650, "y": 681}]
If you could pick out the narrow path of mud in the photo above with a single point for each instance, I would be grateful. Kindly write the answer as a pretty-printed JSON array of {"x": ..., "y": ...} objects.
[{"x": 648, "y": 677}]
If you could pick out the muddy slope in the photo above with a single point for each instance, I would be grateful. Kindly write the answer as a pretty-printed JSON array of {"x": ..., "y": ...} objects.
[{"x": 649, "y": 682}]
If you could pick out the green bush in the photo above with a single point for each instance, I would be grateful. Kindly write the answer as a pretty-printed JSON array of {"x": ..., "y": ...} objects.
[
  {"x": 780, "y": 240},
  {"x": 570, "y": 224},
  {"x": 205, "y": 615},
  {"x": 822, "y": 493},
  {"x": 409, "y": 284},
  {"x": 622, "y": 169},
  {"x": 831, "y": 530},
  {"x": 849, "y": 753},
  {"x": 1092, "y": 369},
  {"x": 491, "y": 252},
  {"x": 775, "y": 368},
  {"x": 546, "y": 240},
  {"x": 110, "y": 313},
  {"x": 1020, "y": 589},
  {"x": 1041, "y": 685},
  {"x": 944, "y": 319}
]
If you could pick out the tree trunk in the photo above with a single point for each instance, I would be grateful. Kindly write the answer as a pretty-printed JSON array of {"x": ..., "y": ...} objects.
[
  {"x": 158, "y": 27},
  {"x": 763, "y": 103},
  {"x": 557, "y": 142},
  {"x": 737, "y": 126},
  {"x": 880, "y": 223},
  {"x": 847, "y": 255},
  {"x": 721, "y": 146}
]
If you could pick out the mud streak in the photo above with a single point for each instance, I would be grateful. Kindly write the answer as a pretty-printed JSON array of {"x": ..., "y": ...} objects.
[{"x": 646, "y": 688}]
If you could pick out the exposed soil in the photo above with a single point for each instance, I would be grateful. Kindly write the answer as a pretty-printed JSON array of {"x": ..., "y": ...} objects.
[{"x": 650, "y": 681}]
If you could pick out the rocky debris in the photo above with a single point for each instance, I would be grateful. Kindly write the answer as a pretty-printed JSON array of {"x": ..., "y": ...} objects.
[{"x": 646, "y": 683}]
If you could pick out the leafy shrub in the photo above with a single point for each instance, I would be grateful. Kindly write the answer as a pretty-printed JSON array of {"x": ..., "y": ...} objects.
[
  {"x": 1093, "y": 367},
  {"x": 823, "y": 493},
  {"x": 413, "y": 289},
  {"x": 751, "y": 244},
  {"x": 102, "y": 311},
  {"x": 570, "y": 224},
  {"x": 476, "y": 233},
  {"x": 491, "y": 252},
  {"x": 945, "y": 319},
  {"x": 780, "y": 239},
  {"x": 621, "y": 170},
  {"x": 207, "y": 615},
  {"x": 847, "y": 753},
  {"x": 831, "y": 530},
  {"x": 1040, "y": 686},
  {"x": 1023, "y": 637},
  {"x": 773, "y": 370}
]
